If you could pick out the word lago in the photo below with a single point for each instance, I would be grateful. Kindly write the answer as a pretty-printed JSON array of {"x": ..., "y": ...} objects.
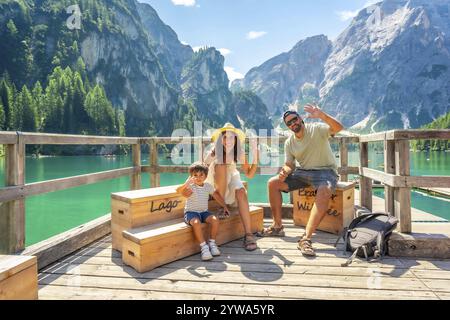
[
  {"x": 164, "y": 206},
  {"x": 138, "y": 208},
  {"x": 340, "y": 210}
]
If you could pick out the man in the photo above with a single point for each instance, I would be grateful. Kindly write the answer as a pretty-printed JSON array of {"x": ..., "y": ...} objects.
[{"x": 310, "y": 147}]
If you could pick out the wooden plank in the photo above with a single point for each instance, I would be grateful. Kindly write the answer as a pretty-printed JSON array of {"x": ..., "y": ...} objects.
[
  {"x": 256, "y": 290},
  {"x": 441, "y": 134},
  {"x": 12, "y": 264},
  {"x": 57, "y": 292},
  {"x": 416, "y": 246},
  {"x": 427, "y": 182},
  {"x": 402, "y": 196},
  {"x": 135, "y": 183},
  {"x": 203, "y": 277},
  {"x": 365, "y": 189},
  {"x": 379, "y": 136},
  {"x": 59, "y": 246},
  {"x": 12, "y": 224},
  {"x": 389, "y": 168},
  {"x": 21, "y": 286},
  {"x": 64, "y": 139},
  {"x": 385, "y": 178},
  {"x": 154, "y": 176},
  {"x": 273, "y": 258},
  {"x": 212, "y": 266},
  {"x": 95, "y": 250},
  {"x": 7, "y": 137},
  {"x": 206, "y": 139},
  {"x": 20, "y": 192},
  {"x": 343, "y": 156},
  {"x": 385, "y": 270},
  {"x": 144, "y": 195},
  {"x": 438, "y": 285}
]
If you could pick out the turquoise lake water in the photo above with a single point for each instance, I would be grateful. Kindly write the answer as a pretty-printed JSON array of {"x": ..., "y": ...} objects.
[{"x": 53, "y": 213}]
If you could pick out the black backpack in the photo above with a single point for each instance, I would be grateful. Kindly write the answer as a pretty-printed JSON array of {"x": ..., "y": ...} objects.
[{"x": 367, "y": 236}]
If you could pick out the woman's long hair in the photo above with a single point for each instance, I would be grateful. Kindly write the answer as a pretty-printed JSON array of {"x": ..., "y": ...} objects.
[{"x": 220, "y": 152}]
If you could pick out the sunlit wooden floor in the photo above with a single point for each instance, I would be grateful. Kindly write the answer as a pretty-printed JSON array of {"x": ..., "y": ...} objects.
[{"x": 276, "y": 270}]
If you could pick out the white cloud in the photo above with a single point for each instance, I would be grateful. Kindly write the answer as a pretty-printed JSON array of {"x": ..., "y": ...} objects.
[
  {"x": 255, "y": 34},
  {"x": 224, "y": 51},
  {"x": 186, "y": 3},
  {"x": 233, "y": 74},
  {"x": 348, "y": 14},
  {"x": 185, "y": 43}
]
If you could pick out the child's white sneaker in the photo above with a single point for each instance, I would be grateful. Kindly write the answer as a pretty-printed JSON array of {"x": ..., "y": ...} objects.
[
  {"x": 214, "y": 249},
  {"x": 206, "y": 254}
]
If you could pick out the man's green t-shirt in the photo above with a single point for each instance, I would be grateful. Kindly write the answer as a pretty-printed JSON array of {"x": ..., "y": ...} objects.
[{"x": 313, "y": 150}]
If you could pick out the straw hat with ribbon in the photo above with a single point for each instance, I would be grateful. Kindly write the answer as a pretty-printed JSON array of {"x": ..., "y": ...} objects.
[{"x": 228, "y": 127}]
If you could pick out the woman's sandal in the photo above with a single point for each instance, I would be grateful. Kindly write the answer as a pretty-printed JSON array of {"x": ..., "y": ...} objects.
[
  {"x": 272, "y": 232},
  {"x": 222, "y": 215},
  {"x": 306, "y": 248},
  {"x": 249, "y": 242}
]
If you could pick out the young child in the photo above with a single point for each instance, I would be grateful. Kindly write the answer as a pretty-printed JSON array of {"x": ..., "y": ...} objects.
[{"x": 196, "y": 209}]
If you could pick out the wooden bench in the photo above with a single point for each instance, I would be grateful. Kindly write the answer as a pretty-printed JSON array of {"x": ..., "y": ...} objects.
[
  {"x": 139, "y": 208},
  {"x": 18, "y": 278},
  {"x": 341, "y": 209},
  {"x": 149, "y": 247}
]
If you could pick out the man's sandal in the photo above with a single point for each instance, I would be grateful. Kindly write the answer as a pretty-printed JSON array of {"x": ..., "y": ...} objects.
[
  {"x": 306, "y": 248},
  {"x": 272, "y": 232},
  {"x": 249, "y": 242}
]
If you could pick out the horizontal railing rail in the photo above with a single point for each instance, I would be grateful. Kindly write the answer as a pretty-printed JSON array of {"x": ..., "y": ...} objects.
[{"x": 396, "y": 177}]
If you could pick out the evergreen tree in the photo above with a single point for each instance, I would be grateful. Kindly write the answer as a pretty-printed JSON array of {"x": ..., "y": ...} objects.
[
  {"x": 2, "y": 117},
  {"x": 7, "y": 100},
  {"x": 39, "y": 102},
  {"x": 28, "y": 111}
]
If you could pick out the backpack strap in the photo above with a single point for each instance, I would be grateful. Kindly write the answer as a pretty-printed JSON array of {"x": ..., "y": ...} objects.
[
  {"x": 364, "y": 217},
  {"x": 341, "y": 235},
  {"x": 365, "y": 252},
  {"x": 350, "y": 260}
]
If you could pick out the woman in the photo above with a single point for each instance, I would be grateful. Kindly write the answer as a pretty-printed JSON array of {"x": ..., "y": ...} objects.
[{"x": 223, "y": 174}]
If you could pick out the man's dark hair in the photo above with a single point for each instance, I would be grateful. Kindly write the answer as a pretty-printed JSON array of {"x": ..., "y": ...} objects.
[
  {"x": 198, "y": 167},
  {"x": 288, "y": 113}
]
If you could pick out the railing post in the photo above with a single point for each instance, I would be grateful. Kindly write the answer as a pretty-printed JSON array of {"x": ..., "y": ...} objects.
[
  {"x": 389, "y": 167},
  {"x": 136, "y": 182},
  {"x": 343, "y": 155},
  {"x": 365, "y": 184},
  {"x": 402, "y": 196},
  {"x": 198, "y": 144},
  {"x": 12, "y": 213},
  {"x": 154, "y": 175}
]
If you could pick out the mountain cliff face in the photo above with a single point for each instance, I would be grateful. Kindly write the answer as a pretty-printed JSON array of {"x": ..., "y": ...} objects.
[
  {"x": 389, "y": 69},
  {"x": 291, "y": 76},
  {"x": 126, "y": 48},
  {"x": 172, "y": 54},
  {"x": 205, "y": 82}
]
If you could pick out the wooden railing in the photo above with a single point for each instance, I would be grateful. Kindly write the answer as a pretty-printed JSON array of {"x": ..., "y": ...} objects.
[
  {"x": 396, "y": 176},
  {"x": 12, "y": 196}
]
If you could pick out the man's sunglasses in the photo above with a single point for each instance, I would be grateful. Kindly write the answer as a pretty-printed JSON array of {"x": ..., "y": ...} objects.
[{"x": 292, "y": 121}]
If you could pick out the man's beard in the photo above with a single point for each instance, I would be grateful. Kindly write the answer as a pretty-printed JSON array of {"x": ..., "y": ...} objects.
[{"x": 297, "y": 128}]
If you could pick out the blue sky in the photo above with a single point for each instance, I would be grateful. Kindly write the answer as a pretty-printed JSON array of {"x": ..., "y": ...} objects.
[{"x": 249, "y": 32}]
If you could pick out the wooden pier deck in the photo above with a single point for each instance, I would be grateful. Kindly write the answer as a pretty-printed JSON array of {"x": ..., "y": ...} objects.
[{"x": 275, "y": 271}]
